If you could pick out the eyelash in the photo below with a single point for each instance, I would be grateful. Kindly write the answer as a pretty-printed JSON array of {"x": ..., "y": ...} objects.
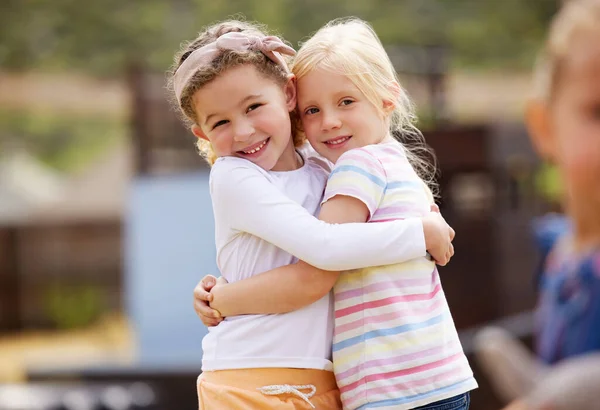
[
  {"x": 250, "y": 108},
  {"x": 348, "y": 100}
]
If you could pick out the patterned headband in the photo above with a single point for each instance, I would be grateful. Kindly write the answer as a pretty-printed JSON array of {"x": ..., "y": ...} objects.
[{"x": 270, "y": 46}]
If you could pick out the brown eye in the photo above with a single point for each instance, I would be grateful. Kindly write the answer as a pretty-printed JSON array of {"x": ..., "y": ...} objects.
[
  {"x": 253, "y": 107},
  {"x": 218, "y": 124}
]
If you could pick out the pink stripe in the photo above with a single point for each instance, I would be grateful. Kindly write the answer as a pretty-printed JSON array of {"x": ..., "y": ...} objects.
[
  {"x": 402, "y": 210},
  {"x": 396, "y": 359},
  {"x": 387, "y": 317},
  {"x": 376, "y": 287},
  {"x": 394, "y": 210},
  {"x": 387, "y": 301},
  {"x": 361, "y": 156},
  {"x": 403, "y": 372},
  {"x": 396, "y": 388}
]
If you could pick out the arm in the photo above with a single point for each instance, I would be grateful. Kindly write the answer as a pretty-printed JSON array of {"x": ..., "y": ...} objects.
[
  {"x": 250, "y": 203},
  {"x": 301, "y": 284},
  {"x": 297, "y": 285}
]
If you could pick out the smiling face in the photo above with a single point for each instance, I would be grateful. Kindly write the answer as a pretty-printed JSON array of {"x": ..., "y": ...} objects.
[
  {"x": 245, "y": 114},
  {"x": 336, "y": 115}
]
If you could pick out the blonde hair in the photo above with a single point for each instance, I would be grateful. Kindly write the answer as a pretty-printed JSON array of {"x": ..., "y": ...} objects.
[
  {"x": 351, "y": 47},
  {"x": 574, "y": 17},
  {"x": 226, "y": 60}
]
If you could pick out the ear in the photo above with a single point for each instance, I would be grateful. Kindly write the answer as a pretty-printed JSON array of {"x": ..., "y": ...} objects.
[
  {"x": 197, "y": 131},
  {"x": 289, "y": 91},
  {"x": 538, "y": 120},
  {"x": 389, "y": 105}
]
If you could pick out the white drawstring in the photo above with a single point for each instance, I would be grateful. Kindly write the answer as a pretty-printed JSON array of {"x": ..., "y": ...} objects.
[{"x": 277, "y": 389}]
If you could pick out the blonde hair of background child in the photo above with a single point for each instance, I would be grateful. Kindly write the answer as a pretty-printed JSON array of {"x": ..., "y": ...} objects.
[
  {"x": 226, "y": 60},
  {"x": 576, "y": 16},
  {"x": 351, "y": 47}
]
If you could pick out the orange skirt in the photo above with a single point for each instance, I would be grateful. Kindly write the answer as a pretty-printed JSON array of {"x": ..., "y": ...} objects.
[{"x": 268, "y": 388}]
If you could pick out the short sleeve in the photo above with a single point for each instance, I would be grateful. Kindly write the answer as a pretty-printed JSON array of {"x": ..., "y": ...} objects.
[{"x": 358, "y": 174}]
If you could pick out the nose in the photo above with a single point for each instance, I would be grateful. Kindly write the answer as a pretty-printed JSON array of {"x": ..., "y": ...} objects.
[
  {"x": 330, "y": 121},
  {"x": 243, "y": 130}
]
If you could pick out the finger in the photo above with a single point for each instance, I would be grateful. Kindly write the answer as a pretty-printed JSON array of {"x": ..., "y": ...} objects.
[
  {"x": 208, "y": 282},
  {"x": 441, "y": 262},
  {"x": 203, "y": 309},
  {"x": 452, "y": 234},
  {"x": 451, "y": 250},
  {"x": 211, "y": 322},
  {"x": 435, "y": 208},
  {"x": 201, "y": 294}
]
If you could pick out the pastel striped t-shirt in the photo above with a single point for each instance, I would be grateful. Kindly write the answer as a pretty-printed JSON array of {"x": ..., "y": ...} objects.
[{"x": 395, "y": 344}]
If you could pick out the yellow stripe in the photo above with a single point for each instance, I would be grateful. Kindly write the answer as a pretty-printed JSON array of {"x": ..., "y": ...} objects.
[
  {"x": 418, "y": 266},
  {"x": 429, "y": 338}
]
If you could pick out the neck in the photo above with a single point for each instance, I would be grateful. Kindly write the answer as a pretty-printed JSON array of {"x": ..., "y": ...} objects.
[
  {"x": 586, "y": 227},
  {"x": 289, "y": 159}
]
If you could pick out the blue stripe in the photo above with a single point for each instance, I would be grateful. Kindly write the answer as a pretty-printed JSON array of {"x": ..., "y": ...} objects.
[
  {"x": 358, "y": 170},
  {"x": 387, "y": 332},
  {"x": 403, "y": 184},
  {"x": 408, "y": 399}
]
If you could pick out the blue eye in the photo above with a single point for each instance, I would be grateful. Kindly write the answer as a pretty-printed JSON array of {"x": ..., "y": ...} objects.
[
  {"x": 346, "y": 102},
  {"x": 311, "y": 111}
]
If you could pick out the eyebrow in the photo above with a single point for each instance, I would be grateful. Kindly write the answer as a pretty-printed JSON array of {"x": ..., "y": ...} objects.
[{"x": 242, "y": 102}]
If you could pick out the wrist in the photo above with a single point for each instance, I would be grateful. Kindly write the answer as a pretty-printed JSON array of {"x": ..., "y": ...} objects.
[
  {"x": 428, "y": 233},
  {"x": 217, "y": 298}
]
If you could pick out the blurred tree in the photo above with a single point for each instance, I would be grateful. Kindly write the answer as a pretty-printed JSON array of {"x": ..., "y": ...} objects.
[{"x": 103, "y": 35}]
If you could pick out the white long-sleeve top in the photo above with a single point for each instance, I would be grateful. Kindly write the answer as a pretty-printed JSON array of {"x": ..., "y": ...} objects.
[{"x": 264, "y": 220}]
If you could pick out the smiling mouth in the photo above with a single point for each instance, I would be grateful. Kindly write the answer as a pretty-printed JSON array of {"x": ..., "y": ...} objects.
[
  {"x": 253, "y": 149},
  {"x": 338, "y": 141}
]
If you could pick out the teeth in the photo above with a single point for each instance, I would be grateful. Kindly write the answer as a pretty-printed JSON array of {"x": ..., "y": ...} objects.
[
  {"x": 338, "y": 141},
  {"x": 257, "y": 148}
]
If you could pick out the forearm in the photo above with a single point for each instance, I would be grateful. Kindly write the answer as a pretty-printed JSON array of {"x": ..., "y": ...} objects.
[
  {"x": 279, "y": 290},
  {"x": 270, "y": 215}
]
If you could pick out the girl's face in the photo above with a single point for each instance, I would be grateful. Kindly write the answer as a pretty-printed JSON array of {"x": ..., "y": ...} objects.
[
  {"x": 247, "y": 115},
  {"x": 336, "y": 116},
  {"x": 574, "y": 123}
]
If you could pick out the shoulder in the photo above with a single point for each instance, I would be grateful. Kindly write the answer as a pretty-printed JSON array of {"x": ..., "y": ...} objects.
[
  {"x": 363, "y": 160},
  {"x": 224, "y": 167},
  {"x": 230, "y": 177},
  {"x": 364, "y": 156}
]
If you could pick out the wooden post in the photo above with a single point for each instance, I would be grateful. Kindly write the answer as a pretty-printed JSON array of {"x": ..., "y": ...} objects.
[{"x": 139, "y": 124}]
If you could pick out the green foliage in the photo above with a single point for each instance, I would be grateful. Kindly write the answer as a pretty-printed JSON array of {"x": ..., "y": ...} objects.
[
  {"x": 74, "y": 306},
  {"x": 64, "y": 142},
  {"x": 102, "y": 36}
]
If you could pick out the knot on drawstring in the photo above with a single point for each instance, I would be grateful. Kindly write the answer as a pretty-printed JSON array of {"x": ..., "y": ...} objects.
[{"x": 277, "y": 389}]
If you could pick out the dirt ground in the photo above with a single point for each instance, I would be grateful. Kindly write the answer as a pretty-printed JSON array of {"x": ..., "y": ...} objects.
[{"x": 109, "y": 340}]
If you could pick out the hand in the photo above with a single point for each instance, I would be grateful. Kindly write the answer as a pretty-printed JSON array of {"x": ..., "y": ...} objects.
[
  {"x": 438, "y": 236},
  {"x": 203, "y": 297}
]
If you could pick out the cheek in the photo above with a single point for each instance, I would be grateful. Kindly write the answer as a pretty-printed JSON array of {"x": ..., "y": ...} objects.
[
  {"x": 310, "y": 130},
  {"x": 222, "y": 143},
  {"x": 579, "y": 154}
]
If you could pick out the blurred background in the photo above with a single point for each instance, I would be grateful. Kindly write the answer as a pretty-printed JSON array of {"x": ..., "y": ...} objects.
[{"x": 105, "y": 219}]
